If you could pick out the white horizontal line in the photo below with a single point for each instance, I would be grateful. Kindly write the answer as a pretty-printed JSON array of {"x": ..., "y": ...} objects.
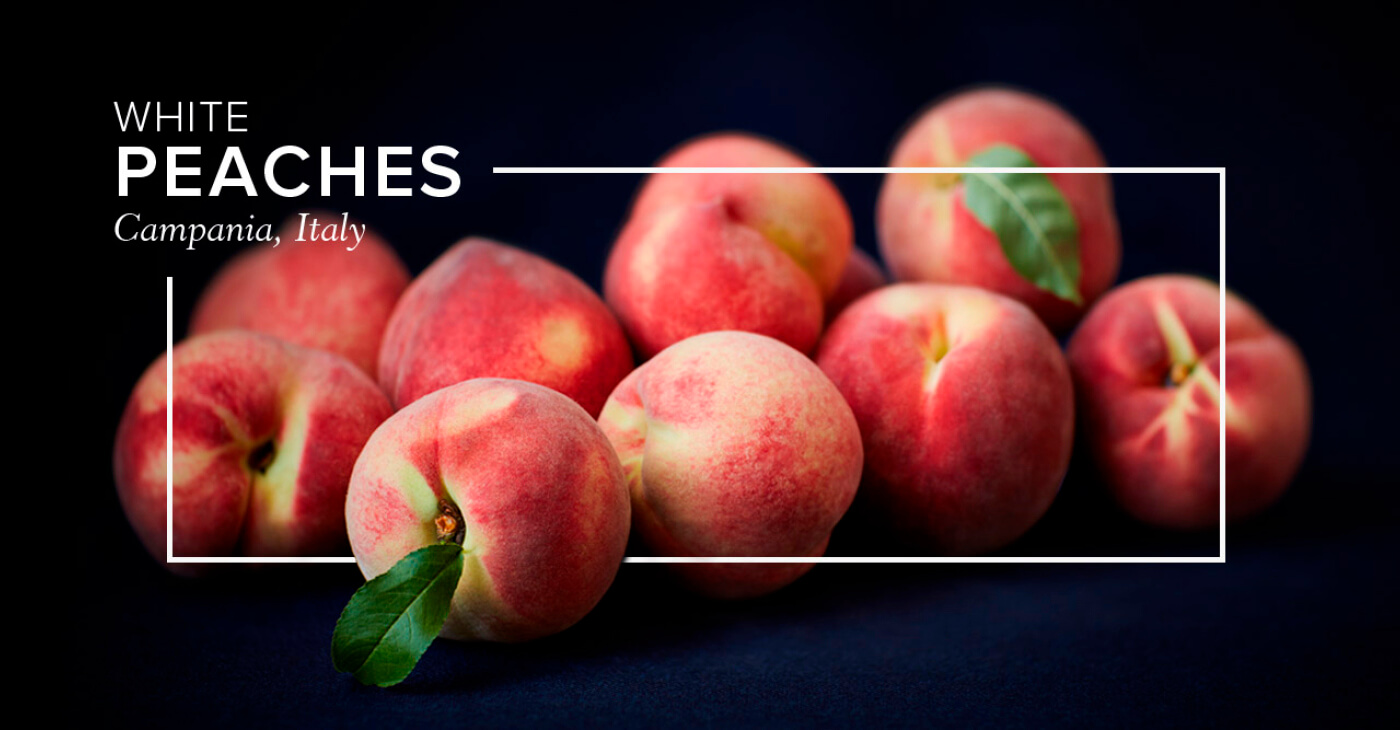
[
  {"x": 843, "y": 560},
  {"x": 847, "y": 170},
  {"x": 225, "y": 560},
  {"x": 973, "y": 560}
]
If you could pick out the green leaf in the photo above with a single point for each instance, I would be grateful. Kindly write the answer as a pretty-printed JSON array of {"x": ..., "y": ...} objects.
[
  {"x": 1030, "y": 218},
  {"x": 391, "y": 620}
]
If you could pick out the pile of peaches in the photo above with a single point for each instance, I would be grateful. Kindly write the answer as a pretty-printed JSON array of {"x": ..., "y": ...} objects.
[{"x": 495, "y": 400}]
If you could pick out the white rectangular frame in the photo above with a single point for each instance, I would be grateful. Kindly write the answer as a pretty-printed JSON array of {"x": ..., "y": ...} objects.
[{"x": 170, "y": 556}]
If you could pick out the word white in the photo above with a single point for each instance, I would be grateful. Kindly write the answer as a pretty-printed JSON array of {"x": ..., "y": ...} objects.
[
  {"x": 192, "y": 233},
  {"x": 184, "y": 112},
  {"x": 240, "y": 178}
]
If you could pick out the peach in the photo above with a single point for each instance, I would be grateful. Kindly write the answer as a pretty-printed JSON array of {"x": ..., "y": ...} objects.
[
  {"x": 265, "y": 436},
  {"x": 927, "y": 233},
  {"x": 734, "y": 444},
  {"x": 965, "y": 408},
  {"x": 862, "y": 276},
  {"x": 310, "y": 293},
  {"x": 1146, "y": 364},
  {"x": 702, "y": 252},
  {"x": 484, "y": 309},
  {"x": 531, "y": 482}
]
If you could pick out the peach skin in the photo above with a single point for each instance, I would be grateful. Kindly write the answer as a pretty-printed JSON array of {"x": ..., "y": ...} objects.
[
  {"x": 703, "y": 252},
  {"x": 313, "y": 294},
  {"x": 734, "y": 444},
  {"x": 529, "y": 484},
  {"x": 928, "y": 234},
  {"x": 1146, "y": 365},
  {"x": 965, "y": 409},
  {"x": 265, "y": 436},
  {"x": 484, "y": 309}
]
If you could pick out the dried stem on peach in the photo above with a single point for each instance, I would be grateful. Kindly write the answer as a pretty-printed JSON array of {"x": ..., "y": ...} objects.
[{"x": 449, "y": 523}]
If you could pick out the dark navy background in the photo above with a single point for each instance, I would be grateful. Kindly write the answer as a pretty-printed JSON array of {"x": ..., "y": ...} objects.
[{"x": 1298, "y": 627}]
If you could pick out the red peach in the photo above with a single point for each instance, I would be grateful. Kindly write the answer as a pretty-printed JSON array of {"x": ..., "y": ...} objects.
[
  {"x": 265, "y": 436},
  {"x": 1146, "y": 364},
  {"x": 703, "y": 252},
  {"x": 965, "y": 408},
  {"x": 484, "y": 309},
  {"x": 734, "y": 444},
  {"x": 928, "y": 234},
  {"x": 537, "y": 489},
  {"x": 310, "y": 293}
]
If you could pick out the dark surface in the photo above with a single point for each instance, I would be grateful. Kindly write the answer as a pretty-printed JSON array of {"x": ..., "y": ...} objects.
[{"x": 1299, "y": 627}]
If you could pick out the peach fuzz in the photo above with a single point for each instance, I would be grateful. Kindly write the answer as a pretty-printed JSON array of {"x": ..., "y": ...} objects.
[
  {"x": 484, "y": 309},
  {"x": 927, "y": 233},
  {"x": 965, "y": 408},
  {"x": 1146, "y": 364},
  {"x": 532, "y": 480},
  {"x": 734, "y": 444},
  {"x": 703, "y": 252},
  {"x": 314, "y": 294},
  {"x": 862, "y": 276},
  {"x": 265, "y": 436}
]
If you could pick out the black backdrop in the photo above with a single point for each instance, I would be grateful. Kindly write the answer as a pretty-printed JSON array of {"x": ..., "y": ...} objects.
[{"x": 1298, "y": 625}]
